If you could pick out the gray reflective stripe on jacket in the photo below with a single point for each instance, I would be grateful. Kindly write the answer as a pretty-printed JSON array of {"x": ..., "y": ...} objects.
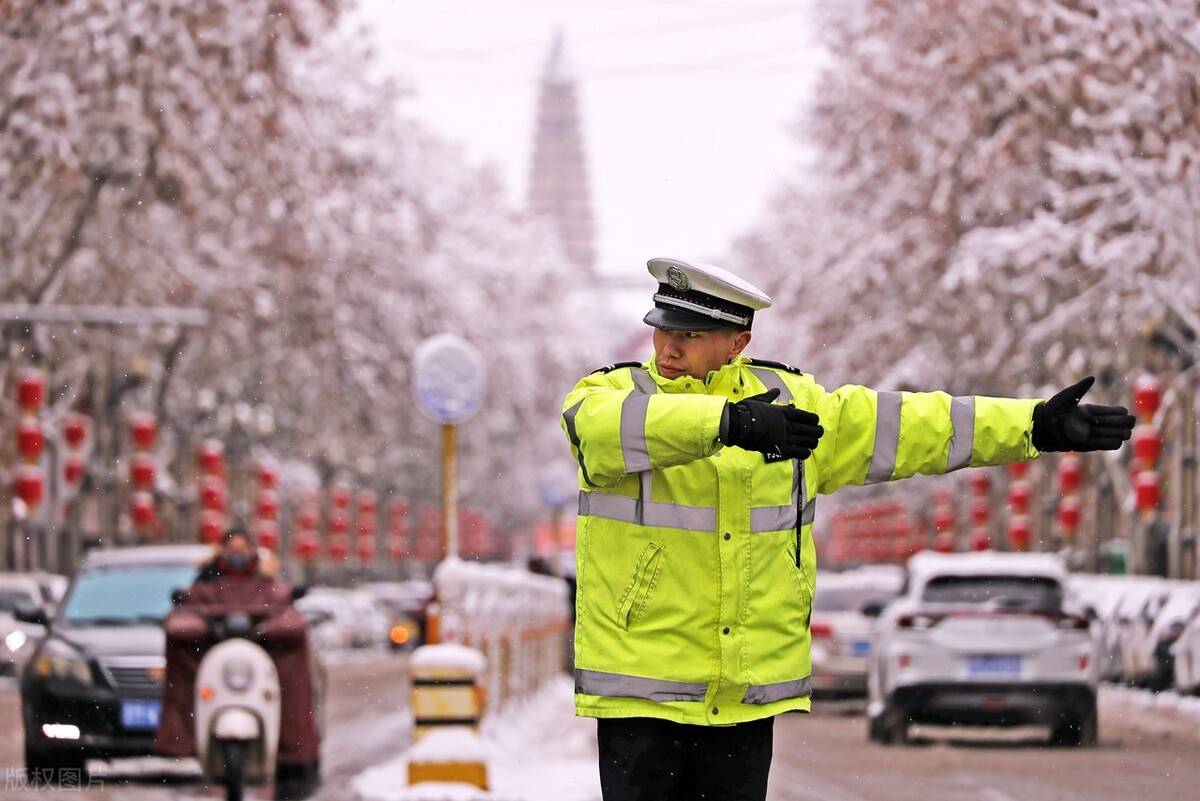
[
  {"x": 780, "y": 691},
  {"x": 962, "y": 417},
  {"x": 647, "y": 513},
  {"x": 887, "y": 437},
  {"x": 569, "y": 418},
  {"x": 771, "y": 380},
  {"x": 633, "y": 421},
  {"x": 595, "y": 682}
]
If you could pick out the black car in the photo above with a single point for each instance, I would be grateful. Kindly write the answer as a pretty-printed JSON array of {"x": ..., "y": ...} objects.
[{"x": 93, "y": 687}]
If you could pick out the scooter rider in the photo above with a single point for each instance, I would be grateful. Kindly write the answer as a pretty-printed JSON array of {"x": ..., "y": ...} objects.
[{"x": 234, "y": 581}]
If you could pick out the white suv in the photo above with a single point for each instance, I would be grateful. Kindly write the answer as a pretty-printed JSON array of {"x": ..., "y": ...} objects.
[{"x": 986, "y": 639}]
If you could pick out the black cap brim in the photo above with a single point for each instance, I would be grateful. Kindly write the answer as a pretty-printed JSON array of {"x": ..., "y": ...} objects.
[{"x": 682, "y": 320}]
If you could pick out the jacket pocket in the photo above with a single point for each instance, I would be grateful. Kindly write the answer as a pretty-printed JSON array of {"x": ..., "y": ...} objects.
[
  {"x": 795, "y": 571},
  {"x": 633, "y": 600}
]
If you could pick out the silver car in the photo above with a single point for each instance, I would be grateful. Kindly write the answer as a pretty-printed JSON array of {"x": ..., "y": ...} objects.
[
  {"x": 843, "y": 617},
  {"x": 984, "y": 639}
]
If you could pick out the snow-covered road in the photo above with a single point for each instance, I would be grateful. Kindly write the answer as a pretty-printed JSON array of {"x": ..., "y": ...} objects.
[{"x": 1147, "y": 750}]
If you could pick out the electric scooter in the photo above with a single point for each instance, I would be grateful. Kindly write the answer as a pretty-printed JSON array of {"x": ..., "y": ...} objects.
[{"x": 237, "y": 708}]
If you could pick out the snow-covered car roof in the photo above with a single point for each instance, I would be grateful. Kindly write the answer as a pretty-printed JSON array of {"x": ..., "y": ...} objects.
[
  {"x": 22, "y": 581},
  {"x": 926, "y": 564},
  {"x": 148, "y": 555}
]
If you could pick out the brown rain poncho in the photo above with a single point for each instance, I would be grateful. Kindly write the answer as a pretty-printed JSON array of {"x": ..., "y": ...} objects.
[{"x": 268, "y": 602}]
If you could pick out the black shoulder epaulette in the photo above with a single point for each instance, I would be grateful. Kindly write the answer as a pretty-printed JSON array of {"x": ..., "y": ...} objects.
[
  {"x": 616, "y": 366},
  {"x": 777, "y": 365}
]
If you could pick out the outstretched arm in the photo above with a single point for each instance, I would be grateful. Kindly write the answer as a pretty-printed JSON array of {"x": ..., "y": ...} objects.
[{"x": 876, "y": 436}]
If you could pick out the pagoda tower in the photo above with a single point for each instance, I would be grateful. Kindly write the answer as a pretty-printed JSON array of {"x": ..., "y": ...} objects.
[{"x": 558, "y": 182}]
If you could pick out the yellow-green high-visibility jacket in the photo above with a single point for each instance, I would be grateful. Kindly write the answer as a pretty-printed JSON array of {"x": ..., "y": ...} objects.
[{"x": 695, "y": 562}]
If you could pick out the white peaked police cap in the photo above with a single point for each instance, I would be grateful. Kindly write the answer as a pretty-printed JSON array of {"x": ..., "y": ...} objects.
[{"x": 693, "y": 296}]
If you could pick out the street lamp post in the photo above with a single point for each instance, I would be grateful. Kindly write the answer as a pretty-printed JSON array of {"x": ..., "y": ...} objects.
[{"x": 449, "y": 382}]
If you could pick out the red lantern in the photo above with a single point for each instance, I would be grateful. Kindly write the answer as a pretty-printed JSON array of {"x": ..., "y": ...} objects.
[
  {"x": 1070, "y": 473},
  {"x": 339, "y": 496},
  {"x": 981, "y": 540},
  {"x": 1019, "y": 533},
  {"x": 212, "y": 526},
  {"x": 144, "y": 430},
  {"x": 1147, "y": 445},
  {"x": 268, "y": 476},
  {"x": 1068, "y": 514},
  {"x": 266, "y": 534},
  {"x": 1147, "y": 397},
  {"x": 74, "y": 468},
  {"x": 339, "y": 523},
  {"x": 943, "y": 519},
  {"x": 30, "y": 440},
  {"x": 267, "y": 506},
  {"x": 366, "y": 526},
  {"x": 1018, "y": 496},
  {"x": 981, "y": 511},
  {"x": 368, "y": 503},
  {"x": 31, "y": 390},
  {"x": 397, "y": 508},
  {"x": 29, "y": 484},
  {"x": 944, "y": 544},
  {"x": 306, "y": 546},
  {"x": 141, "y": 471},
  {"x": 1147, "y": 491},
  {"x": 141, "y": 510},
  {"x": 212, "y": 458},
  {"x": 397, "y": 547},
  {"x": 364, "y": 549},
  {"x": 981, "y": 482},
  {"x": 212, "y": 494},
  {"x": 339, "y": 547},
  {"x": 75, "y": 430},
  {"x": 308, "y": 517},
  {"x": 1018, "y": 470}
]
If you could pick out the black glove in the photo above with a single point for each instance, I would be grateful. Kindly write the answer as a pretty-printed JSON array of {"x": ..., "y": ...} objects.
[
  {"x": 1062, "y": 424},
  {"x": 755, "y": 424}
]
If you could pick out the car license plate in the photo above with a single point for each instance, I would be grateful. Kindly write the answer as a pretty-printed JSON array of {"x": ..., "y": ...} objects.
[
  {"x": 994, "y": 666},
  {"x": 860, "y": 648},
  {"x": 140, "y": 714}
]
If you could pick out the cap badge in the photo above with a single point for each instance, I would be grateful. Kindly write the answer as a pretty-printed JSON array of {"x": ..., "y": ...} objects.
[{"x": 677, "y": 279}]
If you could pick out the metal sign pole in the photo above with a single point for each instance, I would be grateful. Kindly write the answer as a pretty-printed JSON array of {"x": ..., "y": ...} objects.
[{"x": 449, "y": 490}]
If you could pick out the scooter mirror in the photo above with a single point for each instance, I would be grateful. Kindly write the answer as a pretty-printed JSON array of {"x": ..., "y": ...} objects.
[{"x": 177, "y": 596}]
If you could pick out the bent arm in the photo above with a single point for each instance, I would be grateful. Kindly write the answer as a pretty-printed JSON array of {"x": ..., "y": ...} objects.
[
  {"x": 616, "y": 429},
  {"x": 885, "y": 436}
]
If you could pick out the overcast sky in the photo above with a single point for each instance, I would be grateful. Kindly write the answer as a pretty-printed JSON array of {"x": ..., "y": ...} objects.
[{"x": 686, "y": 106}]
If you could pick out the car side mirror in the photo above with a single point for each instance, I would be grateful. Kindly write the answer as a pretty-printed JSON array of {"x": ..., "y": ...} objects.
[
  {"x": 29, "y": 612},
  {"x": 299, "y": 591},
  {"x": 177, "y": 596},
  {"x": 872, "y": 608}
]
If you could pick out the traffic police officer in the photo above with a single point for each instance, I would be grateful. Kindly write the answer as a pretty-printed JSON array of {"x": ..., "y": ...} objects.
[{"x": 699, "y": 472}]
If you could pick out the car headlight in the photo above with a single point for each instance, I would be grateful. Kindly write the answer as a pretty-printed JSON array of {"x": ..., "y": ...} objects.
[
  {"x": 59, "y": 661},
  {"x": 238, "y": 675},
  {"x": 15, "y": 640}
]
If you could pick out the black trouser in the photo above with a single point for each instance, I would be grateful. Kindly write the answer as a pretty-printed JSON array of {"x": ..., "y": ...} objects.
[{"x": 644, "y": 759}]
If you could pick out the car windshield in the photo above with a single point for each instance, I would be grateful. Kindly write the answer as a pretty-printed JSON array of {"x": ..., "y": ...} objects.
[
  {"x": 1023, "y": 592},
  {"x": 125, "y": 594},
  {"x": 843, "y": 599}
]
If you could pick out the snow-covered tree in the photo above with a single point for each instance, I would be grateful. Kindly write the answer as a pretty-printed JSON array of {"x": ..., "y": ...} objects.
[
  {"x": 233, "y": 156},
  {"x": 996, "y": 183}
]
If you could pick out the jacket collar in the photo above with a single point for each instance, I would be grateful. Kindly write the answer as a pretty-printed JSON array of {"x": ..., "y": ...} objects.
[{"x": 718, "y": 382}]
